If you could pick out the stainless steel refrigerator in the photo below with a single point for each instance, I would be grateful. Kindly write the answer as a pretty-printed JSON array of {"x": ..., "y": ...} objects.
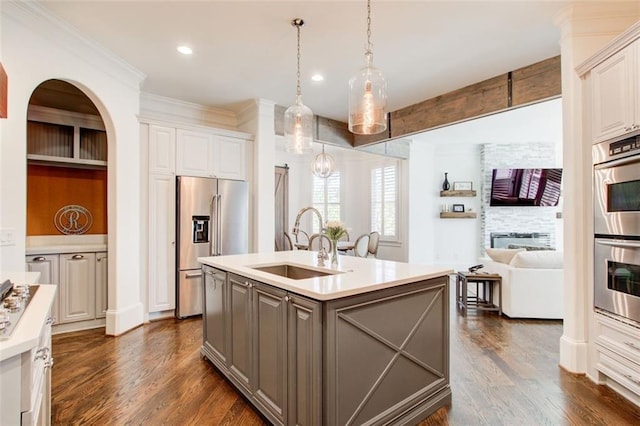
[{"x": 212, "y": 220}]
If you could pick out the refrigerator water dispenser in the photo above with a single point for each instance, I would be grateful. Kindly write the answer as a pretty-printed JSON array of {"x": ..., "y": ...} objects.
[{"x": 200, "y": 229}]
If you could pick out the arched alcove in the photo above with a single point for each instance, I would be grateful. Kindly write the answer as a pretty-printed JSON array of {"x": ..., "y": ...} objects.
[{"x": 67, "y": 201}]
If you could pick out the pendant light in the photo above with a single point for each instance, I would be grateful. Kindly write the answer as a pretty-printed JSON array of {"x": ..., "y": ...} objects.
[
  {"x": 323, "y": 165},
  {"x": 298, "y": 118},
  {"x": 368, "y": 94}
]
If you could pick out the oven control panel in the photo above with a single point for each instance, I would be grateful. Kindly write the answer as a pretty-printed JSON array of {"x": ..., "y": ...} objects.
[{"x": 625, "y": 145}]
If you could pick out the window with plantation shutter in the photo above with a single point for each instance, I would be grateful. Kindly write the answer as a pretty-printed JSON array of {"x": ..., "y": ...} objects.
[
  {"x": 384, "y": 201},
  {"x": 326, "y": 198}
]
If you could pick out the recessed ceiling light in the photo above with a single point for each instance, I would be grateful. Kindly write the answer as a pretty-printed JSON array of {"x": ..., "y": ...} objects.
[
  {"x": 185, "y": 50},
  {"x": 317, "y": 77}
]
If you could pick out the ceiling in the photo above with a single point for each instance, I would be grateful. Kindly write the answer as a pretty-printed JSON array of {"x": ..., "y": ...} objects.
[{"x": 247, "y": 49}]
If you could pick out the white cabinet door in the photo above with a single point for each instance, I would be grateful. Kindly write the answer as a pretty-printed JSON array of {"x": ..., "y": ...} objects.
[
  {"x": 615, "y": 99},
  {"x": 101, "y": 284},
  {"x": 194, "y": 154},
  {"x": 162, "y": 231},
  {"x": 209, "y": 155},
  {"x": 230, "y": 158},
  {"x": 162, "y": 150},
  {"x": 48, "y": 266},
  {"x": 77, "y": 287}
]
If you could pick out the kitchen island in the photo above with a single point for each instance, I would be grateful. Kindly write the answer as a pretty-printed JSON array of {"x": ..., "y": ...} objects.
[{"x": 364, "y": 342}]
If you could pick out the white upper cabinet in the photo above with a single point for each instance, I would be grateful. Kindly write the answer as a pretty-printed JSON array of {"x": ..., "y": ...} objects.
[
  {"x": 162, "y": 150},
  {"x": 209, "y": 155},
  {"x": 230, "y": 158},
  {"x": 616, "y": 98}
]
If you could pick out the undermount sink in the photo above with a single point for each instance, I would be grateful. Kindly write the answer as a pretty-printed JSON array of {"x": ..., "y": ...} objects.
[{"x": 291, "y": 271}]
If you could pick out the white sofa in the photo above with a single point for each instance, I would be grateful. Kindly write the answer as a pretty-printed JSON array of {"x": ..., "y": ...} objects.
[{"x": 532, "y": 282}]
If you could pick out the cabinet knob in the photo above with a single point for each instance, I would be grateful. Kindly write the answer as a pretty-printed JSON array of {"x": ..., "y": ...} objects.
[
  {"x": 287, "y": 298},
  {"x": 633, "y": 379},
  {"x": 77, "y": 257},
  {"x": 39, "y": 259},
  {"x": 632, "y": 345}
]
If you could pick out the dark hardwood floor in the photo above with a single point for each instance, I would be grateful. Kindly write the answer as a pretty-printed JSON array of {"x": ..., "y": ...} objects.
[{"x": 503, "y": 372}]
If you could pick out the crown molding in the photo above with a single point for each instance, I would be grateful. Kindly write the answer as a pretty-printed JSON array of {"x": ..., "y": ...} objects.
[
  {"x": 36, "y": 19},
  {"x": 623, "y": 40}
]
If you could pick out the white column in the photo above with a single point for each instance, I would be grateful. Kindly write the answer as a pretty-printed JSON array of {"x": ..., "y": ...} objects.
[
  {"x": 585, "y": 28},
  {"x": 258, "y": 118}
]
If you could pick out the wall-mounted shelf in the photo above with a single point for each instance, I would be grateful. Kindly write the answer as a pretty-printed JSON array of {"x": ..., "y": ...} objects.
[
  {"x": 465, "y": 193},
  {"x": 457, "y": 215}
]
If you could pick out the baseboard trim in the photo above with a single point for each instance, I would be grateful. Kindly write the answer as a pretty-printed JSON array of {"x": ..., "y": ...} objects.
[
  {"x": 122, "y": 320},
  {"x": 573, "y": 355}
]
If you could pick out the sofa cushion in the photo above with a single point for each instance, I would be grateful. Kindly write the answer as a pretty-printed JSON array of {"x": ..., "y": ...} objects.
[
  {"x": 545, "y": 259},
  {"x": 503, "y": 255}
]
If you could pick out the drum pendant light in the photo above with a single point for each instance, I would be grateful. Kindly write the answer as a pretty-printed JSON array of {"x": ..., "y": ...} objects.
[
  {"x": 298, "y": 118},
  {"x": 368, "y": 94},
  {"x": 323, "y": 165}
]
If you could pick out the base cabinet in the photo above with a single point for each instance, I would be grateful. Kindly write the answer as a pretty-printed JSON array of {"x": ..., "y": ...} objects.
[
  {"x": 102, "y": 268},
  {"x": 618, "y": 350},
  {"x": 307, "y": 362},
  {"x": 48, "y": 266},
  {"x": 82, "y": 280},
  {"x": 25, "y": 375},
  {"x": 267, "y": 342},
  {"x": 77, "y": 287}
]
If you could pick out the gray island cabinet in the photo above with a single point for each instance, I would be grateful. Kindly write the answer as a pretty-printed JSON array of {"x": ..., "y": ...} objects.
[{"x": 364, "y": 343}]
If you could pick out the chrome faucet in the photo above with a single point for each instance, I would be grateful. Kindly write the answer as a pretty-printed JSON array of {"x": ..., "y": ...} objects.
[
  {"x": 296, "y": 225},
  {"x": 322, "y": 256}
]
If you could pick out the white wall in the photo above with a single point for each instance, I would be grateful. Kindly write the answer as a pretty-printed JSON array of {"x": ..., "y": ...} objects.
[
  {"x": 448, "y": 242},
  {"x": 34, "y": 49}
]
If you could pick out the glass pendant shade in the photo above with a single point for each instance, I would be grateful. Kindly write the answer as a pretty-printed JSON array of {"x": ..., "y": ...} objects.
[
  {"x": 298, "y": 128},
  {"x": 298, "y": 118},
  {"x": 368, "y": 101},
  {"x": 323, "y": 165}
]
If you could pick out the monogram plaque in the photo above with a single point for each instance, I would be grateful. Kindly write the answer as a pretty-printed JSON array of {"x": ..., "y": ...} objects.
[{"x": 73, "y": 220}]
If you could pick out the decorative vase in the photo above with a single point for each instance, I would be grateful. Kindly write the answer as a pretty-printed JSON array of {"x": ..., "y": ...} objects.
[
  {"x": 445, "y": 184},
  {"x": 334, "y": 252}
]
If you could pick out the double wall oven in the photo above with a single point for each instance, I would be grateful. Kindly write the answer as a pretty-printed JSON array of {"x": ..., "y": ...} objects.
[{"x": 617, "y": 227}]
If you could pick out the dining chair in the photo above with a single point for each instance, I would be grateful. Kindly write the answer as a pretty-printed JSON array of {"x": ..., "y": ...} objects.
[
  {"x": 361, "y": 248},
  {"x": 374, "y": 240},
  {"x": 302, "y": 240},
  {"x": 319, "y": 241},
  {"x": 288, "y": 245},
  {"x": 344, "y": 237}
]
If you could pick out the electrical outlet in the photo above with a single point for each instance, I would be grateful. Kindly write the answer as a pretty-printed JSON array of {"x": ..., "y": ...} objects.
[{"x": 7, "y": 237}]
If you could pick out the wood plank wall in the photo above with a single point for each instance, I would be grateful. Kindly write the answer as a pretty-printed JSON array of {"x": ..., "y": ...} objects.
[
  {"x": 526, "y": 85},
  {"x": 50, "y": 188}
]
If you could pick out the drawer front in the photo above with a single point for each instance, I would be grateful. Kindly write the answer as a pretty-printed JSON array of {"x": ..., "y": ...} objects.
[
  {"x": 619, "y": 369},
  {"x": 34, "y": 364},
  {"x": 619, "y": 338}
]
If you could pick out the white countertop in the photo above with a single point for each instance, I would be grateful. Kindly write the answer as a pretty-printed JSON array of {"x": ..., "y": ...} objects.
[
  {"x": 65, "y": 248},
  {"x": 58, "y": 244},
  {"x": 26, "y": 334},
  {"x": 353, "y": 275}
]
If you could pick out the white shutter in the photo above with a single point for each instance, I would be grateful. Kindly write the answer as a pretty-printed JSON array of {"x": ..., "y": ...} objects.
[
  {"x": 326, "y": 198},
  {"x": 384, "y": 201}
]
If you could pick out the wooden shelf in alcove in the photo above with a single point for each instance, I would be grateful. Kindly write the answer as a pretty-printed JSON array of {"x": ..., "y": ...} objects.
[
  {"x": 465, "y": 193},
  {"x": 457, "y": 215}
]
